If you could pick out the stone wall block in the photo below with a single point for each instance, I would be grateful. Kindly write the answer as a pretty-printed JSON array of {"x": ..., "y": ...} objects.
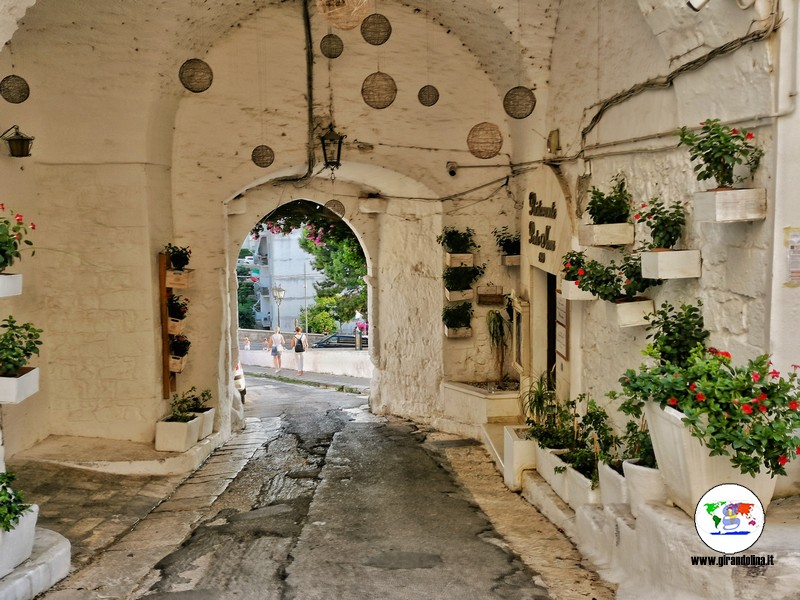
[{"x": 746, "y": 271}]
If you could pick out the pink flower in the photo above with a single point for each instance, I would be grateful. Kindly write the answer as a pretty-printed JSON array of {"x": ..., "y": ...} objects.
[
  {"x": 795, "y": 367},
  {"x": 774, "y": 373},
  {"x": 33, "y": 225}
]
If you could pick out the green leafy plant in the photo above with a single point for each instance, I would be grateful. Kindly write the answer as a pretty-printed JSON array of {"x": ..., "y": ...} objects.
[
  {"x": 665, "y": 223},
  {"x": 461, "y": 278},
  {"x": 12, "y": 506},
  {"x": 719, "y": 148},
  {"x": 180, "y": 407},
  {"x": 634, "y": 444},
  {"x": 508, "y": 243},
  {"x": 18, "y": 343},
  {"x": 12, "y": 235},
  {"x": 592, "y": 438},
  {"x": 457, "y": 315},
  {"x": 177, "y": 306},
  {"x": 613, "y": 207},
  {"x": 456, "y": 241},
  {"x": 676, "y": 332},
  {"x": 498, "y": 328},
  {"x": 611, "y": 282},
  {"x": 178, "y": 256},
  {"x": 748, "y": 413},
  {"x": 190, "y": 401},
  {"x": 179, "y": 345}
]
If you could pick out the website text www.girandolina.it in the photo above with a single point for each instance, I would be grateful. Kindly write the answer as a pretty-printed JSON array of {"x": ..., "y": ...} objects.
[{"x": 748, "y": 560}]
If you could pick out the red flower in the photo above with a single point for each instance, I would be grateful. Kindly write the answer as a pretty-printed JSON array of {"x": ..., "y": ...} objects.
[
  {"x": 798, "y": 450},
  {"x": 568, "y": 266},
  {"x": 637, "y": 216},
  {"x": 649, "y": 216},
  {"x": 644, "y": 204},
  {"x": 762, "y": 396},
  {"x": 693, "y": 387},
  {"x": 762, "y": 408},
  {"x": 2, "y": 206},
  {"x": 793, "y": 405},
  {"x": 581, "y": 272},
  {"x": 724, "y": 354},
  {"x": 774, "y": 373},
  {"x": 747, "y": 409},
  {"x": 673, "y": 401},
  {"x": 734, "y": 131},
  {"x": 795, "y": 367},
  {"x": 782, "y": 460},
  {"x": 18, "y": 217},
  {"x": 627, "y": 282},
  {"x": 702, "y": 122},
  {"x": 18, "y": 236},
  {"x": 577, "y": 282},
  {"x": 700, "y": 397},
  {"x": 33, "y": 225},
  {"x": 755, "y": 376},
  {"x": 750, "y": 135}
]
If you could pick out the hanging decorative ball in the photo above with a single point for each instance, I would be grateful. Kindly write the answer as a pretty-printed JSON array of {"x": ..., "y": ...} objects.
[
  {"x": 335, "y": 207},
  {"x": 14, "y": 89},
  {"x": 263, "y": 156},
  {"x": 376, "y": 29},
  {"x": 428, "y": 95},
  {"x": 196, "y": 75},
  {"x": 379, "y": 90},
  {"x": 331, "y": 46},
  {"x": 519, "y": 102},
  {"x": 344, "y": 14},
  {"x": 485, "y": 140}
]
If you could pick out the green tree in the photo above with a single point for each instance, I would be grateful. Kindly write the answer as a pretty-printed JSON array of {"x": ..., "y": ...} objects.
[{"x": 246, "y": 301}]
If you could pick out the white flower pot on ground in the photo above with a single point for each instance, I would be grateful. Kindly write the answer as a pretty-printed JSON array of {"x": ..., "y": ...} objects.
[
  {"x": 612, "y": 234},
  {"x": 14, "y": 390},
  {"x": 645, "y": 486},
  {"x": 175, "y": 436},
  {"x": 16, "y": 545},
  {"x": 613, "y": 487},
  {"x": 671, "y": 264},
  {"x": 547, "y": 460},
  {"x": 731, "y": 205},
  {"x": 10, "y": 285},
  {"x": 685, "y": 464},
  {"x": 206, "y": 422},
  {"x": 519, "y": 454},
  {"x": 630, "y": 313}
]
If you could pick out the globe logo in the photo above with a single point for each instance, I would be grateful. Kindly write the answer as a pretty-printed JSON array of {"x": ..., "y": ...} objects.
[{"x": 729, "y": 518}]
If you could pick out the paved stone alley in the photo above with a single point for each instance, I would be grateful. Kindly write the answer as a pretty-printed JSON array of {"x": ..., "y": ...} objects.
[{"x": 317, "y": 498}]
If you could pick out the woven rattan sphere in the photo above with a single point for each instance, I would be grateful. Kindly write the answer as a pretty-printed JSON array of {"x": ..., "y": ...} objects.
[
  {"x": 519, "y": 102},
  {"x": 14, "y": 89},
  {"x": 428, "y": 95},
  {"x": 195, "y": 75},
  {"x": 379, "y": 90},
  {"x": 263, "y": 156},
  {"x": 485, "y": 140},
  {"x": 335, "y": 206},
  {"x": 331, "y": 46},
  {"x": 376, "y": 29}
]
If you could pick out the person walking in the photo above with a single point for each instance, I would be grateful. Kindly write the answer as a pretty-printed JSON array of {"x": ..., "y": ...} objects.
[
  {"x": 275, "y": 345},
  {"x": 246, "y": 343},
  {"x": 300, "y": 345}
]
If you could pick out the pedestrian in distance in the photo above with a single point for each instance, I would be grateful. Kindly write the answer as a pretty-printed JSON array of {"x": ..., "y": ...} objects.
[
  {"x": 246, "y": 343},
  {"x": 275, "y": 345},
  {"x": 300, "y": 345}
]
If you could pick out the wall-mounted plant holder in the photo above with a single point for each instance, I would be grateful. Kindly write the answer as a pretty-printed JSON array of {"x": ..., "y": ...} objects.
[
  {"x": 613, "y": 234},
  {"x": 14, "y": 390},
  {"x": 510, "y": 260},
  {"x": 630, "y": 313},
  {"x": 175, "y": 326},
  {"x": 458, "y": 295},
  {"x": 179, "y": 279},
  {"x": 572, "y": 292},
  {"x": 671, "y": 264},
  {"x": 491, "y": 294},
  {"x": 177, "y": 364},
  {"x": 459, "y": 260},
  {"x": 458, "y": 332},
  {"x": 10, "y": 285},
  {"x": 731, "y": 205}
]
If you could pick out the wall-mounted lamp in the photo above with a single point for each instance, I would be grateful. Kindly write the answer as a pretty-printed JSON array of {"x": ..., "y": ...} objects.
[
  {"x": 452, "y": 169},
  {"x": 19, "y": 144},
  {"x": 332, "y": 148}
]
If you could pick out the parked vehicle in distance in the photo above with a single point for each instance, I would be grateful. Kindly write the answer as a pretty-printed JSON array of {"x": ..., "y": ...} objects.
[
  {"x": 341, "y": 340},
  {"x": 247, "y": 260}
]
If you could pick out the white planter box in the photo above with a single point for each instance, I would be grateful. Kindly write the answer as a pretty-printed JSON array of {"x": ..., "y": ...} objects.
[
  {"x": 177, "y": 363},
  {"x": 458, "y": 295},
  {"x": 176, "y": 436},
  {"x": 671, "y": 264},
  {"x": 645, "y": 486},
  {"x": 14, "y": 390},
  {"x": 510, "y": 260},
  {"x": 179, "y": 279},
  {"x": 614, "y": 234},
  {"x": 630, "y": 314},
  {"x": 613, "y": 487},
  {"x": 572, "y": 292},
  {"x": 175, "y": 326},
  {"x": 458, "y": 332},
  {"x": 685, "y": 464},
  {"x": 458, "y": 260},
  {"x": 490, "y": 294},
  {"x": 731, "y": 205},
  {"x": 546, "y": 462},
  {"x": 579, "y": 490},
  {"x": 16, "y": 545},
  {"x": 10, "y": 285},
  {"x": 206, "y": 423},
  {"x": 519, "y": 454}
]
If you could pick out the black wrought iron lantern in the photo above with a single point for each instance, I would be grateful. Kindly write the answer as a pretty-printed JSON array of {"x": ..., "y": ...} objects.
[
  {"x": 332, "y": 148},
  {"x": 19, "y": 144}
]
